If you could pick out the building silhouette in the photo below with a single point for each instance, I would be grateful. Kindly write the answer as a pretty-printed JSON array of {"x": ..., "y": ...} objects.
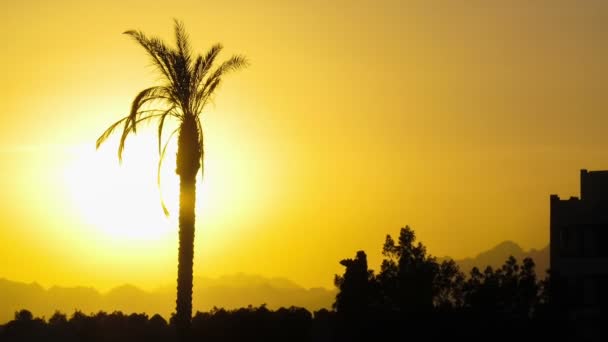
[{"x": 579, "y": 247}]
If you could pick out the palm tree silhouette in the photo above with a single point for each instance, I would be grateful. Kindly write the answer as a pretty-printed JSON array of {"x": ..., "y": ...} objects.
[{"x": 187, "y": 86}]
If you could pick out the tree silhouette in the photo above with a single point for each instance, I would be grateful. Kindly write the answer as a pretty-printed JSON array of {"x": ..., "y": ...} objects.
[
  {"x": 413, "y": 289},
  {"x": 356, "y": 302},
  {"x": 188, "y": 85},
  {"x": 511, "y": 290},
  {"x": 407, "y": 274},
  {"x": 448, "y": 285},
  {"x": 356, "y": 287}
]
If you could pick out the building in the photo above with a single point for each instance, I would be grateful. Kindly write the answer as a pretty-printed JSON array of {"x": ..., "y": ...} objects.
[{"x": 579, "y": 247}]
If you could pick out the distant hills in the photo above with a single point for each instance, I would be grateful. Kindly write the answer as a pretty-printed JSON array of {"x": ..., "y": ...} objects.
[
  {"x": 233, "y": 291},
  {"x": 497, "y": 255}
]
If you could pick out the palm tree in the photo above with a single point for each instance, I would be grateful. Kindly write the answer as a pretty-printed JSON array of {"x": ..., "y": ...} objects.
[{"x": 188, "y": 84}]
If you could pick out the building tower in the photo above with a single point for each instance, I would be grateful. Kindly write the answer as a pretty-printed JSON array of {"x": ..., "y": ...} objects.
[{"x": 579, "y": 247}]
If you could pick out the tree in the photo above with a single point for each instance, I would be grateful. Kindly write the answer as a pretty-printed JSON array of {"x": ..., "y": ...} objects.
[
  {"x": 448, "y": 285},
  {"x": 356, "y": 287},
  {"x": 188, "y": 85},
  {"x": 510, "y": 290},
  {"x": 355, "y": 303},
  {"x": 407, "y": 274}
]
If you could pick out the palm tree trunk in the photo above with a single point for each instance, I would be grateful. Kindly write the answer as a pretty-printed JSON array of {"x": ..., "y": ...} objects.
[
  {"x": 187, "y": 189},
  {"x": 188, "y": 163}
]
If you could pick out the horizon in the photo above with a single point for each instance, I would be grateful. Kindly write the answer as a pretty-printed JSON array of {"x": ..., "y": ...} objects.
[
  {"x": 230, "y": 292},
  {"x": 219, "y": 278},
  {"x": 353, "y": 120}
]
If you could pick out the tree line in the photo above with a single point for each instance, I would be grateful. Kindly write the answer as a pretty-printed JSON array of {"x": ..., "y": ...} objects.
[{"x": 415, "y": 295}]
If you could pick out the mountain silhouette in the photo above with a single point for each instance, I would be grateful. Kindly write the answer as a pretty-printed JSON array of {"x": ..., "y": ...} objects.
[
  {"x": 230, "y": 292},
  {"x": 497, "y": 255}
]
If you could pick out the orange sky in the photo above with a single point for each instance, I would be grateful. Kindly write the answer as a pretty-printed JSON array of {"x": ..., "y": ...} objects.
[{"x": 355, "y": 118}]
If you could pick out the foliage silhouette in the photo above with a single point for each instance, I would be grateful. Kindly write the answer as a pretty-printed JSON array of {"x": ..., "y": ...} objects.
[
  {"x": 512, "y": 289},
  {"x": 407, "y": 273},
  {"x": 356, "y": 286},
  {"x": 413, "y": 289},
  {"x": 448, "y": 286},
  {"x": 188, "y": 85},
  {"x": 253, "y": 323}
]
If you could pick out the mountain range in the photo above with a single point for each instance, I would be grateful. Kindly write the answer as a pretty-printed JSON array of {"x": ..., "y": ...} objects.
[
  {"x": 233, "y": 291},
  {"x": 229, "y": 292},
  {"x": 497, "y": 256}
]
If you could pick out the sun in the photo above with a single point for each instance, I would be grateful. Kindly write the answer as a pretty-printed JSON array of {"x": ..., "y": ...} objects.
[{"x": 122, "y": 201}]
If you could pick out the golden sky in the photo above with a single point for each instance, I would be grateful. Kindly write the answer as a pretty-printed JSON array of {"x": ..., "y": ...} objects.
[{"x": 355, "y": 118}]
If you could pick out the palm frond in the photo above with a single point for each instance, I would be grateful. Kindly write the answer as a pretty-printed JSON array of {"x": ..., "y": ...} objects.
[
  {"x": 160, "y": 164},
  {"x": 146, "y": 95},
  {"x": 209, "y": 59},
  {"x": 161, "y": 125},
  {"x": 204, "y": 96},
  {"x": 131, "y": 128},
  {"x": 160, "y": 53},
  {"x": 105, "y": 135},
  {"x": 181, "y": 39},
  {"x": 202, "y": 146},
  {"x": 213, "y": 86},
  {"x": 182, "y": 79},
  {"x": 152, "y": 46},
  {"x": 200, "y": 70},
  {"x": 195, "y": 81},
  {"x": 234, "y": 63},
  {"x": 165, "y": 55}
]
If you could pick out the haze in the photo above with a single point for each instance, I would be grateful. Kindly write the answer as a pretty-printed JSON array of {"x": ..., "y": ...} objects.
[{"x": 354, "y": 119}]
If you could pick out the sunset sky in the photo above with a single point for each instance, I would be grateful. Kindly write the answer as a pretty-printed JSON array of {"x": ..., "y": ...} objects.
[{"x": 355, "y": 118}]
